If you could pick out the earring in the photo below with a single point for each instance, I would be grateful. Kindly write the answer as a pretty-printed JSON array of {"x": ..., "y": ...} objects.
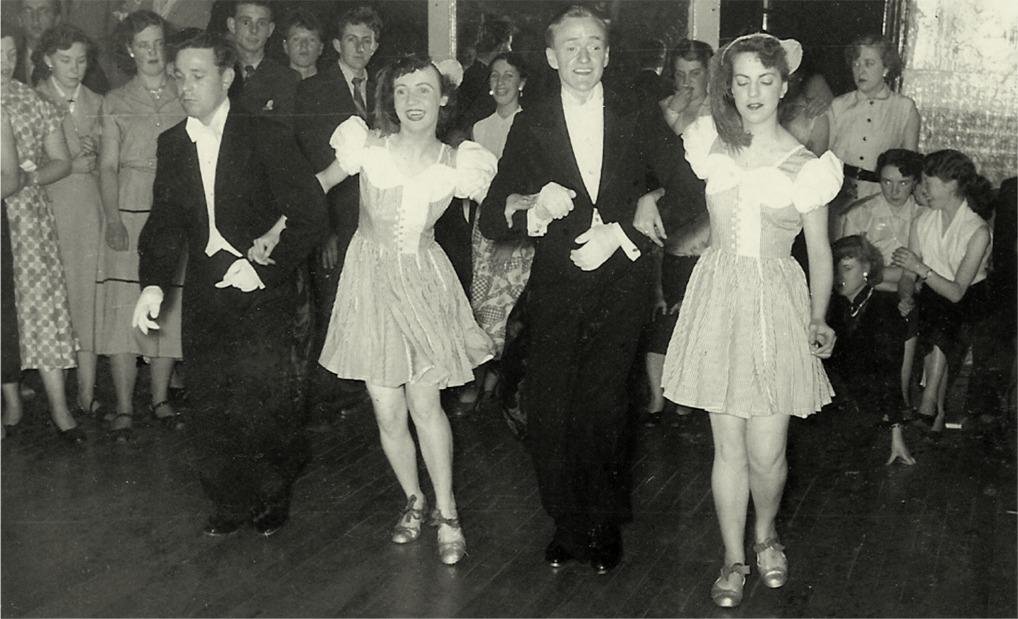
[
  {"x": 131, "y": 54},
  {"x": 491, "y": 93},
  {"x": 521, "y": 88},
  {"x": 865, "y": 275}
]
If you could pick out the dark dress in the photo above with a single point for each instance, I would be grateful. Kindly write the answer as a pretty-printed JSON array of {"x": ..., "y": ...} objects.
[
  {"x": 8, "y": 313},
  {"x": 866, "y": 363}
]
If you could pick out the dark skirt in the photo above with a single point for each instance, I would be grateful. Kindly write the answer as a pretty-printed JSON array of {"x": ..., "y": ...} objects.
[
  {"x": 8, "y": 314},
  {"x": 675, "y": 272},
  {"x": 941, "y": 322}
]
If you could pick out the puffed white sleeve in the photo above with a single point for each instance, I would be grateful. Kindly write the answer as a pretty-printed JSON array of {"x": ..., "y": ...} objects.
[
  {"x": 349, "y": 141},
  {"x": 817, "y": 183},
  {"x": 699, "y": 138},
  {"x": 475, "y": 168}
]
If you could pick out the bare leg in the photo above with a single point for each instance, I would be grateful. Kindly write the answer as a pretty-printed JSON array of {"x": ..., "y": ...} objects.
[
  {"x": 86, "y": 380},
  {"x": 12, "y": 404},
  {"x": 655, "y": 373},
  {"x": 435, "y": 436},
  {"x": 125, "y": 375},
  {"x": 931, "y": 402},
  {"x": 391, "y": 414},
  {"x": 730, "y": 483},
  {"x": 907, "y": 360},
  {"x": 766, "y": 438},
  {"x": 161, "y": 369},
  {"x": 53, "y": 382}
]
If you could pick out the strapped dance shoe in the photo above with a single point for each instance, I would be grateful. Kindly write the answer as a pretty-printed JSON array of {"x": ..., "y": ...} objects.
[
  {"x": 452, "y": 546},
  {"x": 725, "y": 596},
  {"x": 408, "y": 527},
  {"x": 218, "y": 526},
  {"x": 556, "y": 555},
  {"x": 170, "y": 422},
  {"x": 773, "y": 573},
  {"x": 605, "y": 548}
]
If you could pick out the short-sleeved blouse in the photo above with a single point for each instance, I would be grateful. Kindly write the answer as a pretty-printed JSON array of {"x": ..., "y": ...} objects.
[
  {"x": 944, "y": 249},
  {"x": 862, "y": 128},
  {"x": 400, "y": 314}
]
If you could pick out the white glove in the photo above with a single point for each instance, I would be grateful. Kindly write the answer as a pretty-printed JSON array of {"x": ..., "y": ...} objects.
[
  {"x": 146, "y": 310},
  {"x": 555, "y": 201},
  {"x": 599, "y": 243},
  {"x": 241, "y": 275}
]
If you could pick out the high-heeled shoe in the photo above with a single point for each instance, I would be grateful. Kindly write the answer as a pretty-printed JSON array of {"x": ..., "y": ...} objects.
[
  {"x": 122, "y": 434},
  {"x": 408, "y": 527},
  {"x": 453, "y": 548},
  {"x": 724, "y": 595},
  {"x": 170, "y": 422},
  {"x": 73, "y": 436},
  {"x": 774, "y": 574}
]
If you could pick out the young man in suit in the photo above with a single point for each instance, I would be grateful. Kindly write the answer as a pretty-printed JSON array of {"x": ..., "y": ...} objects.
[
  {"x": 573, "y": 169},
  {"x": 265, "y": 87},
  {"x": 323, "y": 102},
  {"x": 223, "y": 179}
]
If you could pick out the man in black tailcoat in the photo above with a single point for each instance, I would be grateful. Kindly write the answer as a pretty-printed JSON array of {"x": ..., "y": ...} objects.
[
  {"x": 572, "y": 171},
  {"x": 223, "y": 179}
]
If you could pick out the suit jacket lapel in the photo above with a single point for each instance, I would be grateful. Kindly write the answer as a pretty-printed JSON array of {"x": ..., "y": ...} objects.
[
  {"x": 614, "y": 141},
  {"x": 554, "y": 138},
  {"x": 190, "y": 173},
  {"x": 233, "y": 156}
]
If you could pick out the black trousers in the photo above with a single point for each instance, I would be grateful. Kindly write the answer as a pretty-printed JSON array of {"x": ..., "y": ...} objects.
[
  {"x": 581, "y": 350},
  {"x": 250, "y": 436}
]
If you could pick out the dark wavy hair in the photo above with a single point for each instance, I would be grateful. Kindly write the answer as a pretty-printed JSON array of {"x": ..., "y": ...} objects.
[
  {"x": 385, "y": 116},
  {"x": 125, "y": 32},
  {"x": 722, "y": 103},
  {"x": 61, "y": 37},
  {"x": 515, "y": 60},
  {"x": 691, "y": 50},
  {"x": 908, "y": 162},
  {"x": 951, "y": 165},
  {"x": 858, "y": 247},
  {"x": 360, "y": 15},
  {"x": 888, "y": 54},
  {"x": 223, "y": 51}
]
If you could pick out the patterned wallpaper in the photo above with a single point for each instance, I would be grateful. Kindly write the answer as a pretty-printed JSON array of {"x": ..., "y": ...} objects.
[{"x": 961, "y": 59}]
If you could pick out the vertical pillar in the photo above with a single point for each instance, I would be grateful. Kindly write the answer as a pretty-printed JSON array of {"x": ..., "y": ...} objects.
[
  {"x": 442, "y": 29},
  {"x": 705, "y": 21}
]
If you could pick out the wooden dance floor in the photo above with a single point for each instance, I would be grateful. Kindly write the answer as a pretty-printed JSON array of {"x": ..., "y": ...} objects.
[{"x": 112, "y": 530}]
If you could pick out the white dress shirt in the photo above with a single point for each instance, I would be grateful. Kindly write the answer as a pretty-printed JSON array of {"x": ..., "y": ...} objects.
[
  {"x": 207, "y": 139},
  {"x": 348, "y": 74},
  {"x": 585, "y": 126}
]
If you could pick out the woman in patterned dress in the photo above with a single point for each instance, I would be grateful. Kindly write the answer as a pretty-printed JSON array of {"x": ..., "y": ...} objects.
[
  {"x": 501, "y": 270},
  {"x": 748, "y": 344},
  {"x": 77, "y": 207},
  {"x": 34, "y": 152},
  {"x": 133, "y": 117},
  {"x": 401, "y": 321}
]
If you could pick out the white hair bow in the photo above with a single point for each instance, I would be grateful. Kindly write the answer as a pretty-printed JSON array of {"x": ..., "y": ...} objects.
[
  {"x": 452, "y": 70},
  {"x": 793, "y": 49}
]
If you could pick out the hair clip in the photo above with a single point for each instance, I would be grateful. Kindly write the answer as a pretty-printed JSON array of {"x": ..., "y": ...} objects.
[
  {"x": 452, "y": 70},
  {"x": 793, "y": 49}
]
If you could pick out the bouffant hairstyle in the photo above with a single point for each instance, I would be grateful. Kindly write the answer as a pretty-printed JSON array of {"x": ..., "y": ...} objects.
[
  {"x": 888, "y": 54},
  {"x": 691, "y": 50},
  {"x": 386, "y": 119},
  {"x": 951, "y": 165},
  {"x": 856, "y": 246},
  {"x": 514, "y": 60},
  {"x": 908, "y": 162},
  {"x": 722, "y": 103},
  {"x": 129, "y": 28},
  {"x": 61, "y": 37}
]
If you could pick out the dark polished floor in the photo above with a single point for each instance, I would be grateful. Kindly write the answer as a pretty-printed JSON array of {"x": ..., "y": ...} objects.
[{"x": 113, "y": 530}]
